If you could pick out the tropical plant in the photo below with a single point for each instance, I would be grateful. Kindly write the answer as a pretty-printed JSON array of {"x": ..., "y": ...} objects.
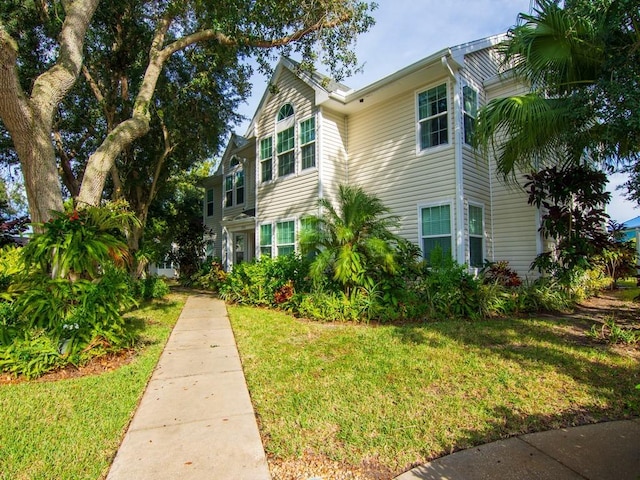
[
  {"x": 352, "y": 242},
  {"x": 580, "y": 61},
  {"x": 573, "y": 200},
  {"x": 80, "y": 243}
]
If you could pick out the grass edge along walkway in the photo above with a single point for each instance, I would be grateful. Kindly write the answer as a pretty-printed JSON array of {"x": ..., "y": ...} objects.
[
  {"x": 403, "y": 395},
  {"x": 71, "y": 429}
]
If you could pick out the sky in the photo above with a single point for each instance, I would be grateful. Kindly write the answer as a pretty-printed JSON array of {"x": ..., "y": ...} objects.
[{"x": 409, "y": 30}]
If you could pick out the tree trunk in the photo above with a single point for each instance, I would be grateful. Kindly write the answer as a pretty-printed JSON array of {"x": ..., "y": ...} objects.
[{"x": 29, "y": 119}]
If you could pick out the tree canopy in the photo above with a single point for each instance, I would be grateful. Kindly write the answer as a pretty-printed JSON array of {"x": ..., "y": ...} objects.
[
  {"x": 580, "y": 60},
  {"x": 143, "y": 64}
]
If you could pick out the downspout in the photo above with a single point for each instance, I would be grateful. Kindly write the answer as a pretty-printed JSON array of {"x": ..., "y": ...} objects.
[
  {"x": 346, "y": 147},
  {"x": 459, "y": 163},
  {"x": 320, "y": 151}
]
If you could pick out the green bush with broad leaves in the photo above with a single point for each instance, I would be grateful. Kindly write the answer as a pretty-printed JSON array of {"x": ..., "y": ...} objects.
[
  {"x": 260, "y": 282},
  {"x": 67, "y": 303}
]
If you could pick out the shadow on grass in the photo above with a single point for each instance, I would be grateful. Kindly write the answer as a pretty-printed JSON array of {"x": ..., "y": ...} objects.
[{"x": 562, "y": 345}]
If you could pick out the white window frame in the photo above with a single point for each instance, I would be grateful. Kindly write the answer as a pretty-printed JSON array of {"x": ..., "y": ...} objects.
[
  {"x": 466, "y": 114},
  {"x": 239, "y": 173},
  {"x": 270, "y": 245},
  {"x": 210, "y": 203},
  {"x": 290, "y": 151},
  {"x": 420, "y": 121},
  {"x": 275, "y": 235},
  {"x": 265, "y": 159},
  {"x": 228, "y": 189},
  {"x": 481, "y": 236},
  {"x": 311, "y": 144},
  {"x": 452, "y": 230}
]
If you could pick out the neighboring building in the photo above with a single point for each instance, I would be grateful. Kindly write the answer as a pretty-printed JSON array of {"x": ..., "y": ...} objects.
[{"x": 405, "y": 138}]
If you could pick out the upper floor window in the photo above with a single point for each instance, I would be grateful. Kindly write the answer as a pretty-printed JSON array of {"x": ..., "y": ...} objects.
[
  {"x": 285, "y": 112},
  {"x": 234, "y": 188},
  {"x": 210, "y": 202},
  {"x": 308, "y": 142},
  {"x": 432, "y": 117},
  {"x": 435, "y": 230},
  {"x": 470, "y": 110},
  {"x": 239, "y": 184},
  {"x": 266, "y": 159},
  {"x": 228, "y": 191},
  {"x": 285, "y": 150}
]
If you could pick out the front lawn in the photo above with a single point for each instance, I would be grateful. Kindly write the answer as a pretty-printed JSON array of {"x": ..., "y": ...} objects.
[
  {"x": 71, "y": 429},
  {"x": 393, "y": 396}
]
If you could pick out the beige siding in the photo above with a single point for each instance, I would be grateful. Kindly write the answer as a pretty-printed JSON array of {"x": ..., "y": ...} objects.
[
  {"x": 383, "y": 159},
  {"x": 514, "y": 222},
  {"x": 479, "y": 66},
  {"x": 296, "y": 194},
  {"x": 334, "y": 169}
]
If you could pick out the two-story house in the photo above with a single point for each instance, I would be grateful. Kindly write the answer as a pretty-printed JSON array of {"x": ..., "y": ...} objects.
[{"x": 405, "y": 138}]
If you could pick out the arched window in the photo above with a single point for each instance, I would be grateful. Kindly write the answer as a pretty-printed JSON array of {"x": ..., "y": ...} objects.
[{"x": 285, "y": 112}]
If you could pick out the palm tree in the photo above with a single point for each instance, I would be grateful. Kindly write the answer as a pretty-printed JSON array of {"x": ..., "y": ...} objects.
[
  {"x": 562, "y": 54},
  {"x": 353, "y": 242}
]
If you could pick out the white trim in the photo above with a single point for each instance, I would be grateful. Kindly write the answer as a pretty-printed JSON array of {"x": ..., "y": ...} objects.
[
  {"x": 483, "y": 235},
  {"x": 320, "y": 150},
  {"x": 259, "y": 238},
  {"x": 299, "y": 145},
  {"x": 459, "y": 168},
  {"x": 274, "y": 232},
  {"x": 417, "y": 120},
  {"x": 423, "y": 205}
]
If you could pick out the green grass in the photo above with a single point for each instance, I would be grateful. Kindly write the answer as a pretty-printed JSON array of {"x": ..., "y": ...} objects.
[
  {"x": 71, "y": 429},
  {"x": 404, "y": 394}
]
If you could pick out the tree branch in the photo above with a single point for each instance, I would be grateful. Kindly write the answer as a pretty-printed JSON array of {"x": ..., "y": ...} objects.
[{"x": 51, "y": 86}]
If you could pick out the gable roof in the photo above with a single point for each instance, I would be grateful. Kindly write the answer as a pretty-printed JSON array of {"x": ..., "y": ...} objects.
[
  {"x": 322, "y": 85},
  {"x": 340, "y": 97}
]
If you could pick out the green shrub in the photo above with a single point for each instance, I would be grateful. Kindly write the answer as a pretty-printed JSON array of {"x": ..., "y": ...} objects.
[
  {"x": 31, "y": 355},
  {"x": 151, "y": 287},
  {"x": 258, "y": 283},
  {"x": 449, "y": 290},
  {"x": 210, "y": 276},
  {"x": 610, "y": 332},
  {"x": 334, "y": 306},
  {"x": 81, "y": 314},
  {"x": 11, "y": 265},
  {"x": 543, "y": 294}
]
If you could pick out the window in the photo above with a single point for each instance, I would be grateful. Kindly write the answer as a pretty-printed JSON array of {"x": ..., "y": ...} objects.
[
  {"x": 228, "y": 190},
  {"x": 476, "y": 236},
  {"x": 286, "y": 152},
  {"x": 308, "y": 143},
  {"x": 470, "y": 110},
  {"x": 285, "y": 112},
  {"x": 285, "y": 237},
  {"x": 239, "y": 187},
  {"x": 266, "y": 159},
  {"x": 432, "y": 117},
  {"x": 266, "y": 240},
  {"x": 210, "y": 202},
  {"x": 436, "y": 229}
]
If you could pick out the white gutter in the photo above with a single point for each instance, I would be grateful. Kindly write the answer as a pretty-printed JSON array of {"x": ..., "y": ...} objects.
[{"x": 459, "y": 163}]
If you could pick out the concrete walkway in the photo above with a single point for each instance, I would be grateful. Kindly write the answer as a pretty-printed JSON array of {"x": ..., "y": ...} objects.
[
  {"x": 195, "y": 419},
  {"x": 602, "y": 451}
]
